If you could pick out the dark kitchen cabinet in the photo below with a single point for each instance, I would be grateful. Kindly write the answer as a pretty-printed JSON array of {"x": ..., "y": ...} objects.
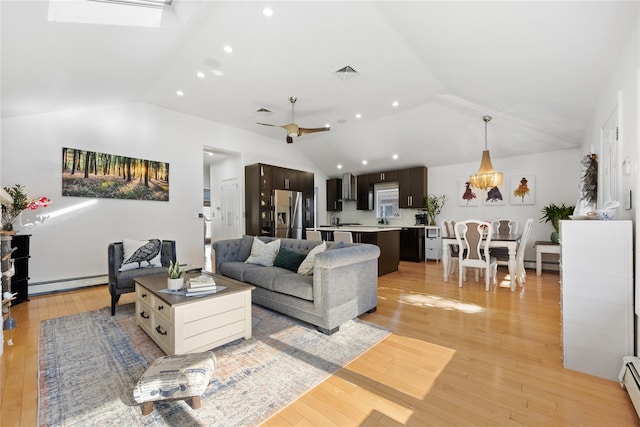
[
  {"x": 334, "y": 194},
  {"x": 260, "y": 181},
  {"x": 307, "y": 185},
  {"x": 412, "y": 244},
  {"x": 412, "y": 187},
  {"x": 386, "y": 176},
  {"x": 364, "y": 194}
]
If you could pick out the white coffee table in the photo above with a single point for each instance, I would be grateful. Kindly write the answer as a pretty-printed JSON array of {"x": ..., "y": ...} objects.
[{"x": 181, "y": 325}]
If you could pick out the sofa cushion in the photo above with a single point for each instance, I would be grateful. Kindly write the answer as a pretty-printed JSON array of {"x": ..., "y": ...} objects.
[
  {"x": 236, "y": 270},
  {"x": 295, "y": 285},
  {"x": 264, "y": 276},
  {"x": 288, "y": 259},
  {"x": 306, "y": 268},
  {"x": 245, "y": 247},
  {"x": 263, "y": 253},
  {"x": 140, "y": 253}
]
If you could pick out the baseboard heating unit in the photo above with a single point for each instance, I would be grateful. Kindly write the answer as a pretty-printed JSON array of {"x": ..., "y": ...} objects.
[{"x": 630, "y": 379}]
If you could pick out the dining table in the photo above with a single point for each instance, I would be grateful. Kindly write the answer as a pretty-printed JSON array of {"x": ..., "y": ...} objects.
[{"x": 498, "y": 240}]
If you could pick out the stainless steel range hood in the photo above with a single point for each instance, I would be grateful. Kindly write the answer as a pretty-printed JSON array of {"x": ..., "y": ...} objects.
[{"x": 349, "y": 191}]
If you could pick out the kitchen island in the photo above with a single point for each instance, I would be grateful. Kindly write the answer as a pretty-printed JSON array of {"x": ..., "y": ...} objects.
[{"x": 386, "y": 238}]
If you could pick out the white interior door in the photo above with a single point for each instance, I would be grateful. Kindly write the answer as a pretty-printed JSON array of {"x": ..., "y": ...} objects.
[{"x": 230, "y": 209}]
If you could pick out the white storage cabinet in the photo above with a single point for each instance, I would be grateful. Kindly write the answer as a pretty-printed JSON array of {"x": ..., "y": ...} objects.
[{"x": 596, "y": 295}]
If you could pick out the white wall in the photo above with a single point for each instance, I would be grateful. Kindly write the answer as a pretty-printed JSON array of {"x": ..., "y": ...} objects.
[
  {"x": 74, "y": 245},
  {"x": 557, "y": 179}
]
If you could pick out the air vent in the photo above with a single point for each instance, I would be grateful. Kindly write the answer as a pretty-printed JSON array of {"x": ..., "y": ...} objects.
[{"x": 346, "y": 73}]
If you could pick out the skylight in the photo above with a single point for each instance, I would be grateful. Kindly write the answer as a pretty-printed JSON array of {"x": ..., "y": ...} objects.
[{"x": 137, "y": 13}]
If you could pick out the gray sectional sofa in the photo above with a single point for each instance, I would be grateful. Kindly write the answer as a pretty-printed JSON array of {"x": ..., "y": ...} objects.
[{"x": 344, "y": 283}]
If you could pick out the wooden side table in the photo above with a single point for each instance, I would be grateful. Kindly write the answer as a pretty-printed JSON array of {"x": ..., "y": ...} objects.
[{"x": 543, "y": 247}]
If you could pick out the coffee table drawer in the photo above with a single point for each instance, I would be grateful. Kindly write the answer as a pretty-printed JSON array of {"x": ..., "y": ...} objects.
[{"x": 162, "y": 334}]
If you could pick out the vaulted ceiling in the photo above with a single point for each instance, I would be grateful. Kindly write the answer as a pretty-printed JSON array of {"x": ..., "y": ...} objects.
[{"x": 537, "y": 67}]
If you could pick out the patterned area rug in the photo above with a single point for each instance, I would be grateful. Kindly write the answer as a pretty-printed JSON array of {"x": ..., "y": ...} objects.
[{"x": 89, "y": 363}]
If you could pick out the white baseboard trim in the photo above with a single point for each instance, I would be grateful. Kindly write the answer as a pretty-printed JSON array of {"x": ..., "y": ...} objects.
[{"x": 66, "y": 285}]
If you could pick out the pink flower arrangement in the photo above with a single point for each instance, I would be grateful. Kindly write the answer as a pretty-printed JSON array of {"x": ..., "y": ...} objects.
[{"x": 14, "y": 202}]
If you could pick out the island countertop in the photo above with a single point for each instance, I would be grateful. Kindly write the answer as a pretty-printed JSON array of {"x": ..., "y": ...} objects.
[{"x": 357, "y": 228}]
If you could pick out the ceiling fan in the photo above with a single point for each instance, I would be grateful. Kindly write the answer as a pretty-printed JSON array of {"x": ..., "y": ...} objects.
[{"x": 292, "y": 128}]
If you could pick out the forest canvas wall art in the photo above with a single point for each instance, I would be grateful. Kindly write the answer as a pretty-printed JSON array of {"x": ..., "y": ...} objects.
[{"x": 109, "y": 176}]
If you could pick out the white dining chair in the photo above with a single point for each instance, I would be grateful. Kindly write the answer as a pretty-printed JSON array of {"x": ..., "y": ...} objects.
[
  {"x": 342, "y": 236},
  {"x": 521, "y": 274},
  {"x": 474, "y": 237},
  {"x": 505, "y": 226},
  {"x": 314, "y": 235},
  {"x": 447, "y": 228}
]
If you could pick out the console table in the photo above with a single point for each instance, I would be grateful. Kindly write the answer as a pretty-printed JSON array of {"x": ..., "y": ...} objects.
[{"x": 543, "y": 247}]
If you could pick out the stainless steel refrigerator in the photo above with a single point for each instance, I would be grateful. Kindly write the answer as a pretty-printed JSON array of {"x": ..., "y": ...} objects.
[{"x": 288, "y": 209}]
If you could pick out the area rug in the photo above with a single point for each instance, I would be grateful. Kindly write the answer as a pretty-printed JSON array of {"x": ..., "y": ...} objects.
[{"x": 90, "y": 362}]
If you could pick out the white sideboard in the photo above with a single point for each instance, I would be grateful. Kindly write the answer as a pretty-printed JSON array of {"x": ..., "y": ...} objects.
[{"x": 597, "y": 295}]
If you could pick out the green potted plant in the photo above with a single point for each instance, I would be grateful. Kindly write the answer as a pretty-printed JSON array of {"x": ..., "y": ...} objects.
[
  {"x": 554, "y": 214},
  {"x": 175, "y": 281},
  {"x": 433, "y": 206}
]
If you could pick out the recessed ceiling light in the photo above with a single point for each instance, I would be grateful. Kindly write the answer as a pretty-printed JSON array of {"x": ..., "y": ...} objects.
[
  {"x": 210, "y": 153},
  {"x": 200, "y": 74},
  {"x": 395, "y": 103},
  {"x": 228, "y": 49},
  {"x": 395, "y": 157},
  {"x": 364, "y": 162},
  {"x": 267, "y": 11},
  {"x": 339, "y": 166},
  {"x": 358, "y": 116},
  {"x": 179, "y": 93}
]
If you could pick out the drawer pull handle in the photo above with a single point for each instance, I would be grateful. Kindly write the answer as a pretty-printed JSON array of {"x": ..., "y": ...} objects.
[
  {"x": 160, "y": 331},
  {"x": 160, "y": 307},
  {"x": 144, "y": 315},
  {"x": 143, "y": 295}
]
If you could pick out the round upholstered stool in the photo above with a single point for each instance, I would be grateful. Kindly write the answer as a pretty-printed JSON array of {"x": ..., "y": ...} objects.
[{"x": 175, "y": 377}]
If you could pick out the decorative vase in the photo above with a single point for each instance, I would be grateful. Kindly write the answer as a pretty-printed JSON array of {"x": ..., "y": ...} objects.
[
  {"x": 175, "y": 284},
  {"x": 555, "y": 237}
]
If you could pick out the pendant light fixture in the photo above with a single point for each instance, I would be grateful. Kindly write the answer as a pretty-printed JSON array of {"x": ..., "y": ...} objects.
[{"x": 486, "y": 177}]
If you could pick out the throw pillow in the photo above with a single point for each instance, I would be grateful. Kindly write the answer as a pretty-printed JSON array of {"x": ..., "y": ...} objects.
[
  {"x": 289, "y": 259},
  {"x": 263, "y": 253},
  {"x": 141, "y": 253},
  {"x": 306, "y": 268}
]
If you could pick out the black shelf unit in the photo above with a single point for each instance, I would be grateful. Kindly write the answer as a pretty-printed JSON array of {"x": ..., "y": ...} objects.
[{"x": 20, "y": 280}]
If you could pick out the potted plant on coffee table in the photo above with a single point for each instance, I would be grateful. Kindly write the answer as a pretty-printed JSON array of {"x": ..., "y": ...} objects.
[
  {"x": 175, "y": 281},
  {"x": 554, "y": 214}
]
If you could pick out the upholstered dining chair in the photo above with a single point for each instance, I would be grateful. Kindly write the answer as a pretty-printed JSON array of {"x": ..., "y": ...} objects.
[
  {"x": 503, "y": 226},
  {"x": 522, "y": 246},
  {"x": 474, "y": 250},
  {"x": 447, "y": 228},
  {"x": 314, "y": 235},
  {"x": 342, "y": 236}
]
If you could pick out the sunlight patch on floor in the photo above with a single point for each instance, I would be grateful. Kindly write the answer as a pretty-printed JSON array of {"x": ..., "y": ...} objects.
[{"x": 436, "y": 301}]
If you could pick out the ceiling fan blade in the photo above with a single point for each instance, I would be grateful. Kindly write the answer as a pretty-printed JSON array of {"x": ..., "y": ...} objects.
[
  {"x": 312, "y": 130},
  {"x": 266, "y": 124},
  {"x": 292, "y": 129}
]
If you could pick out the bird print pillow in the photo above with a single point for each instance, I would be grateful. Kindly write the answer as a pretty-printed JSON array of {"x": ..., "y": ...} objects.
[{"x": 141, "y": 254}]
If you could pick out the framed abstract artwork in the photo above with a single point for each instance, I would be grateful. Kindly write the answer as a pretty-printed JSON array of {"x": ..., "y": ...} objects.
[
  {"x": 467, "y": 196},
  {"x": 522, "y": 189},
  {"x": 495, "y": 196}
]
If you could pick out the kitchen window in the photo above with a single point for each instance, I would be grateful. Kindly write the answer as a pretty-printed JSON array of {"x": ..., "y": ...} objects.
[{"x": 386, "y": 199}]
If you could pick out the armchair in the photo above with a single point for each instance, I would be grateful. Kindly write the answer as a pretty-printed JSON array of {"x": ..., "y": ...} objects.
[{"x": 121, "y": 282}]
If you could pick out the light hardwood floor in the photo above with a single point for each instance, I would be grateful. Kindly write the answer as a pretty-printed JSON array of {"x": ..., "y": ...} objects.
[{"x": 456, "y": 357}]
